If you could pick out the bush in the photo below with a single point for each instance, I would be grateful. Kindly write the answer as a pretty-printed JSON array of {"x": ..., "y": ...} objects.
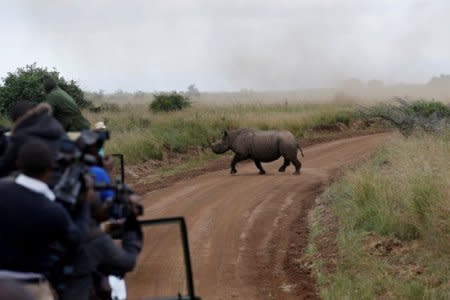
[
  {"x": 428, "y": 108},
  {"x": 429, "y": 116},
  {"x": 27, "y": 84},
  {"x": 169, "y": 102}
]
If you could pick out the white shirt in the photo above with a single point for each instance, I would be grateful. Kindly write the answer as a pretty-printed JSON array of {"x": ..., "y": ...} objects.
[{"x": 35, "y": 185}]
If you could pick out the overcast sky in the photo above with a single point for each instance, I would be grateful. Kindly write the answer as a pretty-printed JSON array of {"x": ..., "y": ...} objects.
[{"x": 229, "y": 44}]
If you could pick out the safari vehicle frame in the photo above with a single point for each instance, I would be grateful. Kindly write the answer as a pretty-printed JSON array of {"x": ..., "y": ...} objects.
[{"x": 186, "y": 255}]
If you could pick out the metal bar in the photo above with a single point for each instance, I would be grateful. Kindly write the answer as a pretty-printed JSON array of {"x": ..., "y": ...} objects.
[
  {"x": 185, "y": 242},
  {"x": 122, "y": 165},
  {"x": 161, "y": 221},
  {"x": 187, "y": 258}
]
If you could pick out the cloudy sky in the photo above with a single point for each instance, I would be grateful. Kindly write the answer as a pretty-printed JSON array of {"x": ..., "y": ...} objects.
[{"x": 228, "y": 44}]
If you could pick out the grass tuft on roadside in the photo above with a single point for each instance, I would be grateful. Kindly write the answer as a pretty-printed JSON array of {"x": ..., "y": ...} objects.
[{"x": 394, "y": 224}]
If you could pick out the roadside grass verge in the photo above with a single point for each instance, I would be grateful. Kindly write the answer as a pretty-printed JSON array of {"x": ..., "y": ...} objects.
[
  {"x": 142, "y": 135},
  {"x": 393, "y": 213}
]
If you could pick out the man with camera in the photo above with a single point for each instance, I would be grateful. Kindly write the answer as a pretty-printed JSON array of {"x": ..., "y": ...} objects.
[
  {"x": 100, "y": 256},
  {"x": 33, "y": 225}
]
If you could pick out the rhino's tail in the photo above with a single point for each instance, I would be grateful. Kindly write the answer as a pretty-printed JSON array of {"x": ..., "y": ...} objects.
[{"x": 301, "y": 150}]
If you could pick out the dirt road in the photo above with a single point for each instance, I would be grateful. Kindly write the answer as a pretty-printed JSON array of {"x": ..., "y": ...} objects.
[{"x": 247, "y": 232}]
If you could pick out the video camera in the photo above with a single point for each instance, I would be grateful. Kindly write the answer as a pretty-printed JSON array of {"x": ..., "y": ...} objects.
[
  {"x": 121, "y": 206},
  {"x": 73, "y": 162}
]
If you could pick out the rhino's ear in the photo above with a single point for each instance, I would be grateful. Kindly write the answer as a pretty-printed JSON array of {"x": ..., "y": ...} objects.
[{"x": 225, "y": 134}]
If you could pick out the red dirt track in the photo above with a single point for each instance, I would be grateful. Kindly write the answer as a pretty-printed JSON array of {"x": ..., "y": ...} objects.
[{"x": 247, "y": 232}]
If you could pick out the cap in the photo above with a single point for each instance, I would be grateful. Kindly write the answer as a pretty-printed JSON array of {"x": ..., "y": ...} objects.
[{"x": 99, "y": 125}]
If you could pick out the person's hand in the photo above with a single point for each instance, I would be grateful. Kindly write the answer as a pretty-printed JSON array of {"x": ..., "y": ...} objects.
[
  {"x": 135, "y": 204},
  {"x": 108, "y": 163},
  {"x": 112, "y": 226},
  {"x": 90, "y": 192}
]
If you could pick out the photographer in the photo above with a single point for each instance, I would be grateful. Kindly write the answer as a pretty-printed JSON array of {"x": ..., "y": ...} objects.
[
  {"x": 100, "y": 255},
  {"x": 32, "y": 223},
  {"x": 30, "y": 122}
]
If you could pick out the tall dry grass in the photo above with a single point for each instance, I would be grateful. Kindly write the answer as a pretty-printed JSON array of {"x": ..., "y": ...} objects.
[
  {"x": 404, "y": 192},
  {"x": 142, "y": 135}
]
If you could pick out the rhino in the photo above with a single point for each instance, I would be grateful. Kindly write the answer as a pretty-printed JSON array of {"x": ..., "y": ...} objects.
[{"x": 260, "y": 146}]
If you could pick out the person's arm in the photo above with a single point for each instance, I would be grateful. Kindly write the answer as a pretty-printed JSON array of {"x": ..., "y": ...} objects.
[
  {"x": 117, "y": 260},
  {"x": 73, "y": 231},
  {"x": 52, "y": 102},
  {"x": 57, "y": 112},
  {"x": 76, "y": 225}
]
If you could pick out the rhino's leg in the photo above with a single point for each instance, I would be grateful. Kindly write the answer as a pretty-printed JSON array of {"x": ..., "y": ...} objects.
[
  {"x": 259, "y": 166},
  {"x": 284, "y": 165},
  {"x": 235, "y": 160},
  {"x": 298, "y": 166}
]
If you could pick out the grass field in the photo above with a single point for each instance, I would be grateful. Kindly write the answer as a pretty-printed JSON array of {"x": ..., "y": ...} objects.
[
  {"x": 394, "y": 224},
  {"x": 142, "y": 135}
]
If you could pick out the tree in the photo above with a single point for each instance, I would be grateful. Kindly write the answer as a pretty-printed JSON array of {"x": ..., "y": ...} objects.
[
  {"x": 27, "y": 84},
  {"x": 192, "y": 91}
]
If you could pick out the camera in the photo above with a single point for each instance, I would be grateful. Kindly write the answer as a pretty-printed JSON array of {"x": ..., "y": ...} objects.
[
  {"x": 72, "y": 165},
  {"x": 73, "y": 162},
  {"x": 121, "y": 207}
]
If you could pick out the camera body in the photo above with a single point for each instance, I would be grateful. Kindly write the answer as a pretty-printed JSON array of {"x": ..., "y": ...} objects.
[
  {"x": 73, "y": 162},
  {"x": 121, "y": 206}
]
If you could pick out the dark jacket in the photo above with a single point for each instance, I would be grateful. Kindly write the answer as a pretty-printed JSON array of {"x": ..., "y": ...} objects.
[
  {"x": 30, "y": 224},
  {"x": 37, "y": 123},
  {"x": 66, "y": 110},
  {"x": 3, "y": 140},
  {"x": 100, "y": 254}
]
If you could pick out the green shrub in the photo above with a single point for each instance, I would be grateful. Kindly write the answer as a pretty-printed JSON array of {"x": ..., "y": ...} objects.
[
  {"x": 430, "y": 116},
  {"x": 169, "y": 102},
  {"x": 27, "y": 84},
  {"x": 427, "y": 108}
]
